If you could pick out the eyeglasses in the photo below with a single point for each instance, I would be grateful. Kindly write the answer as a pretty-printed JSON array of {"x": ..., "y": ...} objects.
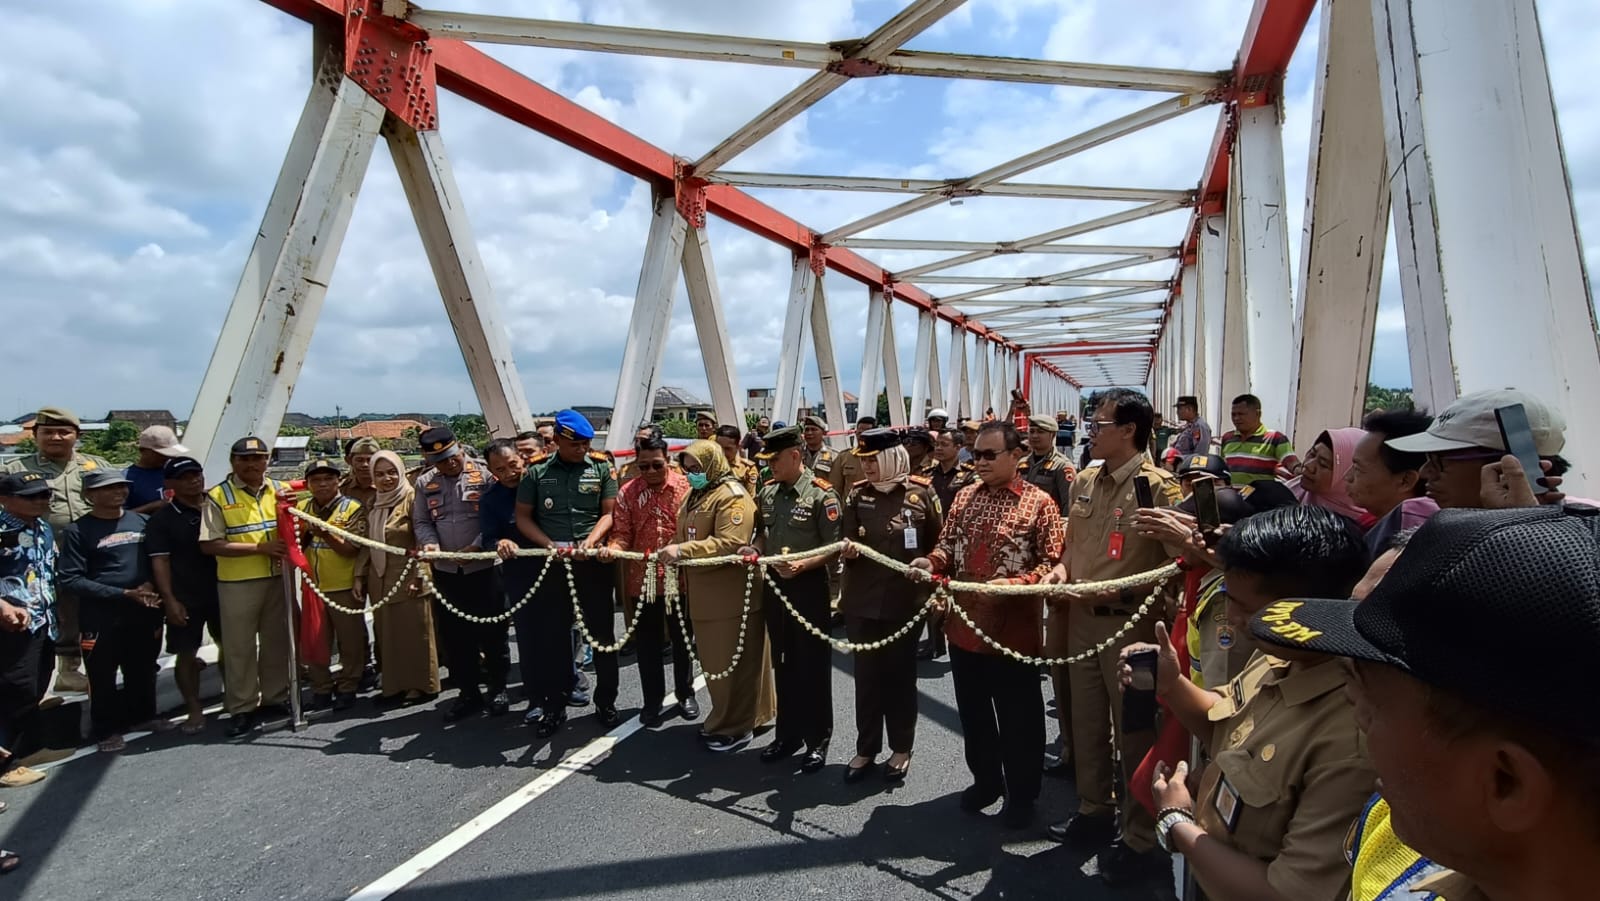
[
  {"x": 989, "y": 455},
  {"x": 1095, "y": 425},
  {"x": 1438, "y": 460},
  {"x": 650, "y": 467}
]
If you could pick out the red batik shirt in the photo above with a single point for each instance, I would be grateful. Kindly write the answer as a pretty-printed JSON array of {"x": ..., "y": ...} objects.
[
  {"x": 1013, "y": 532},
  {"x": 645, "y": 520}
]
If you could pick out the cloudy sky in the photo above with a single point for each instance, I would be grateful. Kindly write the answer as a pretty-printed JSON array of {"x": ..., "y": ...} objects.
[{"x": 141, "y": 141}]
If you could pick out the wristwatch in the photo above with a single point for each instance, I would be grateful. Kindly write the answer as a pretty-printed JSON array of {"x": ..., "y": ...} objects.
[{"x": 1169, "y": 818}]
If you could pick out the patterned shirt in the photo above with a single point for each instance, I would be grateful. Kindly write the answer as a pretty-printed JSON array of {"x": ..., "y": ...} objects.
[
  {"x": 1013, "y": 532},
  {"x": 32, "y": 564},
  {"x": 1258, "y": 456},
  {"x": 645, "y": 520}
]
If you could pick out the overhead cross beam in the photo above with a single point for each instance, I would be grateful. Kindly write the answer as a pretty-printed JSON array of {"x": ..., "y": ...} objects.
[
  {"x": 1025, "y": 245},
  {"x": 802, "y": 55},
  {"x": 1001, "y": 248},
  {"x": 946, "y": 188}
]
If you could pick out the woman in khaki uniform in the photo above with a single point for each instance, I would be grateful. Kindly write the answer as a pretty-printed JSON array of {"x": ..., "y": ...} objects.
[
  {"x": 718, "y": 518},
  {"x": 404, "y": 626}
]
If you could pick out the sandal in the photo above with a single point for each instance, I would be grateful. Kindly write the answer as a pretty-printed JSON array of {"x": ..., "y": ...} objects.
[
  {"x": 191, "y": 727},
  {"x": 112, "y": 745},
  {"x": 157, "y": 725},
  {"x": 8, "y": 861}
]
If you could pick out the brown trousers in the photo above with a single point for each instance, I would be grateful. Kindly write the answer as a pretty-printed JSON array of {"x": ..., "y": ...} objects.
[
  {"x": 255, "y": 644},
  {"x": 347, "y": 633},
  {"x": 1097, "y": 723}
]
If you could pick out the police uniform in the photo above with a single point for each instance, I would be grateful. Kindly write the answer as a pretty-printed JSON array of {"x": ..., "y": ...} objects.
[
  {"x": 902, "y": 523},
  {"x": 567, "y": 500},
  {"x": 249, "y": 593},
  {"x": 445, "y": 515},
  {"x": 1101, "y": 544},
  {"x": 797, "y": 517},
  {"x": 1289, "y": 772},
  {"x": 334, "y": 573},
  {"x": 67, "y": 503}
]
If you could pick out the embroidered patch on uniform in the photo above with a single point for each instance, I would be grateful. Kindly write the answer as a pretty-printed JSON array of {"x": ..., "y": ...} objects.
[
  {"x": 831, "y": 510},
  {"x": 549, "y": 503},
  {"x": 738, "y": 519},
  {"x": 88, "y": 465},
  {"x": 473, "y": 495},
  {"x": 434, "y": 502},
  {"x": 1224, "y": 637},
  {"x": 432, "y": 486},
  {"x": 474, "y": 477}
]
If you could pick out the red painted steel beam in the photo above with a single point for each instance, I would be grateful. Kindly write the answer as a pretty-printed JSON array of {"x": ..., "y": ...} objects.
[{"x": 476, "y": 76}]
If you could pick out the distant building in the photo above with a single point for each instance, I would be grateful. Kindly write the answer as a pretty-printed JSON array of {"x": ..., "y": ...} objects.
[
  {"x": 290, "y": 450},
  {"x": 391, "y": 430},
  {"x": 676, "y": 403},
  {"x": 143, "y": 419},
  {"x": 599, "y": 417},
  {"x": 758, "y": 402}
]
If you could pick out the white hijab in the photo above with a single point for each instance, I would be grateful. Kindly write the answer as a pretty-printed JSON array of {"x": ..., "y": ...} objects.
[{"x": 894, "y": 465}]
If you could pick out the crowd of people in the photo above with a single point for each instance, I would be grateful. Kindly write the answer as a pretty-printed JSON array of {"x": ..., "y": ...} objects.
[{"x": 1315, "y": 707}]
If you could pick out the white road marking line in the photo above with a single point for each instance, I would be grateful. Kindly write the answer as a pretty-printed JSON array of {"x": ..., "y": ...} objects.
[{"x": 475, "y": 828}]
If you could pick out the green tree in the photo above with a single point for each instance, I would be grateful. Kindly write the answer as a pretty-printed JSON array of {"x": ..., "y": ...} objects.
[
  {"x": 26, "y": 446},
  {"x": 678, "y": 428},
  {"x": 408, "y": 442},
  {"x": 1379, "y": 398},
  {"x": 296, "y": 431},
  {"x": 471, "y": 429},
  {"x": 117, "y": 443}
]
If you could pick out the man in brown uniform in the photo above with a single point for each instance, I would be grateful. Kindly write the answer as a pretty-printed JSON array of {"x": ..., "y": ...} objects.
[
  {"x": 847, "y": 467},
  {"x": 744, "y": 469},
  {"x": 1102, "y": 544},
  {"x": 357, "y": 483},
  {"x": 55, "y": 432},
  {"x": 818, "y": 457},
  {"x": 1052, "y": 472}
]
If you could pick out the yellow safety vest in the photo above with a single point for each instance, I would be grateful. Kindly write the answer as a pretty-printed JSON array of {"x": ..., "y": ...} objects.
[
  {"x": 332, "y": 570},
  {"x": 247, "y": 520},
  {"x": 1382, "y": 866}
]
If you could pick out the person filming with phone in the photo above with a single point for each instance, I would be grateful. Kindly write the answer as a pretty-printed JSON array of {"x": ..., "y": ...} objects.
[{"x": 1478, "y": 430}]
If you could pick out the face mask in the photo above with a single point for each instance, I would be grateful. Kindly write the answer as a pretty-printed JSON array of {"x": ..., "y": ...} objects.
[{"x": 697, "y": 480}]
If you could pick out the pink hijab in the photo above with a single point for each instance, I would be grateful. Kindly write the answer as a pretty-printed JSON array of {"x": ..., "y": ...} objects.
[{"x": 1343, "y": 442}]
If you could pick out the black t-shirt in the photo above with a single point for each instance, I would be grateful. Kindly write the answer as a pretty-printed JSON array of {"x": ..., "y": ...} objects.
[
  {"x": 174, "y": 532},
  {"x": 99, "y": 559}
]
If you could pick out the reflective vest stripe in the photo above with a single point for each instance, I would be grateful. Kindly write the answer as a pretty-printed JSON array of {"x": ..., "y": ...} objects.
[{"x": 247, "y": 520}]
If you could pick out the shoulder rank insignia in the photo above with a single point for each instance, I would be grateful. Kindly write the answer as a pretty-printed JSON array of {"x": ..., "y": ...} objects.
[
  {"x": 539, "y": 458},
  {"x": 919, "y": 480},
  {"x": 737, "y": 489},
  {"x": 859, "y": 483},
  {"x": 821, "y": 482},
  {"x": 597, "y": 455}
]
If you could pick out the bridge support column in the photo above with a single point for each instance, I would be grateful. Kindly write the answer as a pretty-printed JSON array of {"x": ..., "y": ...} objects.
[
  {"x": 827, "y": 366},
  {"x": 1491, "y": 271},
  {"x": 1266, "y": 304},
  {"x": 652, "y": 316},
  {"x": 264, "y": 339},
  {"x": 1212, "y": 279},
  {"x": 1346, "y": 222},
  {"x": 922, "y": 374},
  {"x": 891, "y": 368},
  {"x": 957, "y": 394}
]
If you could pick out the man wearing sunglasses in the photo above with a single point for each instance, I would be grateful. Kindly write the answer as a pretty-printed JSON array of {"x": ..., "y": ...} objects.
[
  {"x": 1102, "y": 544},
  {"x": 1466, "y": 437}
]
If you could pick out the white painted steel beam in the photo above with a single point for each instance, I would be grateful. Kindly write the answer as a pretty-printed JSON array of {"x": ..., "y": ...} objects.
[
  {"x": 891, "y": 369},
  {"x": 310, "y": 211},
  {"x": 1057, "y": 281},
  {"x": 1213, "y": 282},
  {"x": 872, "y": 352},
  {"x": 906, "y": 24},
  {"x": 799, "y": 55},
  {"x": 1344, "y": 229},
  {"x": 797, "y": 319},
  {"x": 957, "y": 395},
  {"x": 1094, "y": 137},
  {"x": 827, "y": 365},
  {"x": 1108, "y": 266},
  {"x": 1000, "y": 248},
  {"x": 935, "y": 382},
  {"x": 1268, "y": 297},
  {"x": 1188, "y": 308},
  {"x": 1080, "y": 228},
  {"x": 649, "y": 322},
  {"x": 945, "y": 188},
  {"x": 716, "y": 351},
  {"x": 430, "y": 187},
  {"x": 1235, "y": 341},
  {"x": 1491, "y": 268},
  {"x": 1082, "y": 300},
  {"x": 981, "y": 399},
  {"x": 920, "y": 370}
]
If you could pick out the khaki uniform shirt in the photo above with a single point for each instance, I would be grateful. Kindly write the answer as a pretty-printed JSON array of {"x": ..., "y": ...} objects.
[
  {"x": 1101, "y": 542},
  {"x": 847, "y": 471},
  {"x": 68, "y": 502},
  {"x": 363, "y": 496},
  {"x": 797, "y": 517},
  {"x": 902, "y": 524},
  {"x": 1053, "y": 475},
  {"x": 748, "y": 474},
  {"x": 821, "y": 463},
  {"x": 715, "y": 524},
  {"x": 1289, "y": 774}
]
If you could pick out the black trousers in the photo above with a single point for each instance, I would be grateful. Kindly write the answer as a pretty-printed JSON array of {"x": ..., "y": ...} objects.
[
  {"x": 886, "y": 686},
  {"x": 801, "y": 663},
  {"x": 550, "y": 621},
  {"x": 1002, "y": 721},
  {"x": 647, "y": 639},
  {"x": 26, "y": 659},
  {"x": 130, "y": 648},
  {"x": 480, "y": 653}
]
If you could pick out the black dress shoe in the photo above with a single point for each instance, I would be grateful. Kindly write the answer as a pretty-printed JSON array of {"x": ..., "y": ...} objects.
[
  {"x": 650, "y": 716},
  {"x": 463, "y": 708},
  {"x": 1058, "y": 767},
  {"x": 853, "y": 774},
  {"x": 1017, "y": 814},
  {"x": 1085, "y": 830},
  {"x": 344, "y": 700},
  {"x": 500, "y": 704},
  {"x": 689, "y": 709},
  {"x": 608, "y": 715},
  {"x": 551, "y": 723},
  {"x": 778, "y": 750},
  {"x": 240, "y": 726},
  {"x": 976, "y": 797},
  {"x": 1121, "y": 865},
  {"x": 321, "y": 701},
  {"x": 815, "y": 759}
]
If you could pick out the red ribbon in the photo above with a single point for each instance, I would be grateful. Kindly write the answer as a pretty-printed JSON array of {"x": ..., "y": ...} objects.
[{"x": 312, "y": 632}]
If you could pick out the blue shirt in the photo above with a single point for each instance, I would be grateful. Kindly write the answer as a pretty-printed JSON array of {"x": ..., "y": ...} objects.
[
  {"x": 149, "y": 485},
  {"x": 32, "y": 564},
  {"x": 497, "y": 516}
]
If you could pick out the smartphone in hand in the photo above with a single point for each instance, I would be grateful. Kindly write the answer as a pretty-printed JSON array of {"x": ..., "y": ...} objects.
[
  {"x": 1141, "y": 491},
  {"x": 1518, "y": 438},
  {"x": 1207, "y": 515}
]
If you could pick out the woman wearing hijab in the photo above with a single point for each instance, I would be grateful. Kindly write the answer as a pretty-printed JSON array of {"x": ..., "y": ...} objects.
[
  {"x": 718, "y": 518},
  {"x": 407, "y": 655},
  {"x": 1321, "y": 482},
  {"x": 896, "y": 514}
]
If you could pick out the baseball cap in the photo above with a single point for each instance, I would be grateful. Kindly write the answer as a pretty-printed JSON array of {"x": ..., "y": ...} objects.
[
  {"x": 705, "y": 414},
  {"x": 1203, "y": 464},
  {"x": 104, "y": 478},
  {"x": 163, "y": 441},
  {"x": 180, "y": 466},
  {"x": 249, "y": 447},
  {"x": 1470, "y": 422},
  {"x": 25, "y": 484},
  {"x": 1521, "y": 586},
  {"x": 322, "y": 464}
]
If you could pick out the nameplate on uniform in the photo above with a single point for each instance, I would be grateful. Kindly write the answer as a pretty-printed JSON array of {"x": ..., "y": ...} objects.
[
  {"x": 1227, "y": 803},
  {"x": 911, "y": 538}
]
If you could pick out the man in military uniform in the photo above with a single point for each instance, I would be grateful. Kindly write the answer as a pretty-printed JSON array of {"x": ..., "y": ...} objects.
[
  {"x": 1052, "y": 472},
  {"x": 55, "y": 433},
  {"x": 816, "y": 454},
  {"x": 744, "y": 470},
  {"x": 1102, "y": 544},
  {"x": 446, "y": 519},
  {"x": 705, "y": 425},
  {"x": 566, "y": 500},
  {"x": 797, "y": 511}
]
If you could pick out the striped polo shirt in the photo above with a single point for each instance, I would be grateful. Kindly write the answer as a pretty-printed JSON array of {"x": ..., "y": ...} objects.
[{"x": 1257, "y": 456}]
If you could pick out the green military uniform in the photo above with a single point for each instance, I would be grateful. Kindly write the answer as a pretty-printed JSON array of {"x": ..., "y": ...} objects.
[
  {"x": 794, "y": 518},
  {"x": 1053, "y": 474},
  {"x": 822, "y": 462}
]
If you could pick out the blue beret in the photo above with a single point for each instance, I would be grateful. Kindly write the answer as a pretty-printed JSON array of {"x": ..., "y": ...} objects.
[{"x": 571, "y": 424}]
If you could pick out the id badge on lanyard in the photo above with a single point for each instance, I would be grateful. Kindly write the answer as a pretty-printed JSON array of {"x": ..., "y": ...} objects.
[{"x": 1114, "y": 546}]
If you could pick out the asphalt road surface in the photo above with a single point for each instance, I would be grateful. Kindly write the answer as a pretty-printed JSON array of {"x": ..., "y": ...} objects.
[{"x": 372, "y": 804}]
